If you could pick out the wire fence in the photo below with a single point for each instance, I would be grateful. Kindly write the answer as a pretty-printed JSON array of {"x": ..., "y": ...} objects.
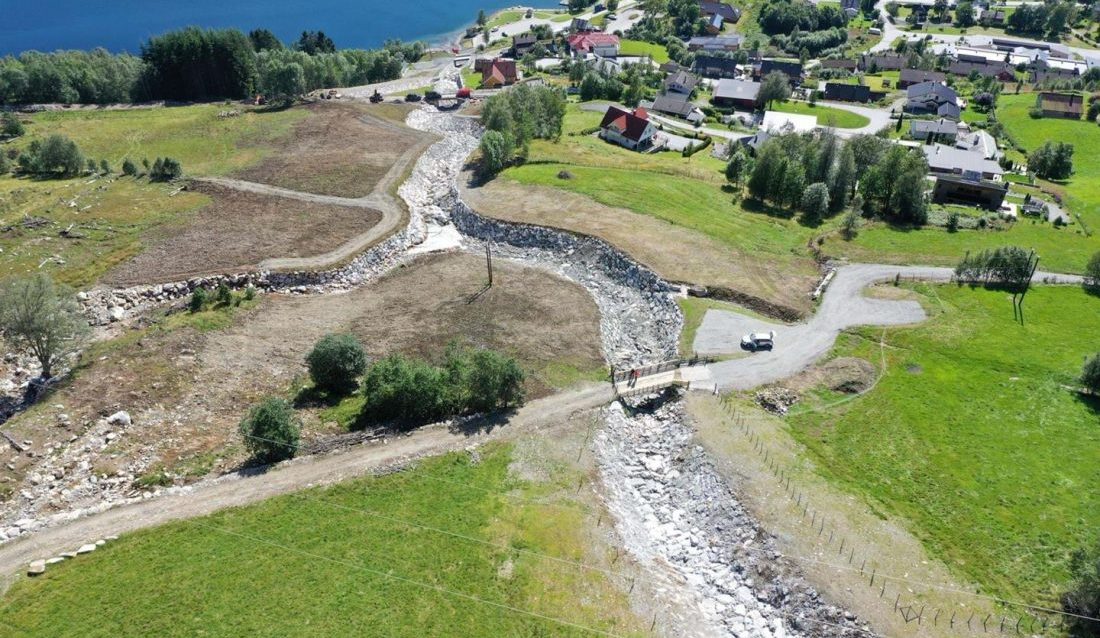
[{"x": 627, "y": 374}]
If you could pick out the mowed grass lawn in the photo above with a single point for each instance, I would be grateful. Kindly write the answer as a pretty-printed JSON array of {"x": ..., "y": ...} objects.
[
  {"x": 204, "y": 141},
  {"x": 657, "y": 52},
  {"x": 826, "y": 115},
  {"x": 975, "y": 436},
  {"x": 340, "y": 562}
]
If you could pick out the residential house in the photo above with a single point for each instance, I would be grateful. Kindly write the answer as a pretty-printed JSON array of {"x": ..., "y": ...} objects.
[
  {"x": 1064, "y": 105},
  {"x": 932, "y": 98},
  {"x": 710, "y": 66},
  {"x": 669, "y": 67},
  {"x": 678, "y": 105},
  {"x": 581, "y": 25},
  {"x": 681, "y": 82},
  {"x": 849, "y": 92},
  {"x": 969, "y": 190},
  {"x": 521, "y": 44},
  {"x": 792, "y": 69},
  {"x": 714, "y": 24},
  {"x": 851, "y": 7},
  {"x": 480, "y": 64},
  {"x": 909, "y": 77},
  {"x": 995, "y": 17},
  {"x": 629, "y": 129},
  {"x": 715, "y": 43},
  {"x": 886, "y": 62},
  {"x": 1003, "y": 71},
  {"x": 605, "y": 45},
  {"x": 500, "y": 72},
  {"x": 941, "y": 130},
  {"x": 948, "y": 160},
  {"x": 709, "y": 8},
  {"x": 1039, "y": 77},
  {"x": 979, "y": 142},
  {"x": 844, "y": 63},
  {"x": 736, "y": 93}
]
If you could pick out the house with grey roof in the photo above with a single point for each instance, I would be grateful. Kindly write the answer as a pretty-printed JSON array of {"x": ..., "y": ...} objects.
[
  {"x": 948, "y": 160},
  {"x": 681, "y": 82},
  {"x": 737, "y": 93},
  {"x": 715, "y": 43},
  {"x": 932, "y": 98},
  {"x": 981, "y": 143},
  {"x": 941, "y": 130},
  {"x": 677, "y": 105}
]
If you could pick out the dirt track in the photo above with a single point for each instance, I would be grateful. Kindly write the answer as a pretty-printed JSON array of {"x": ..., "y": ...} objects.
[{"x": 243, "y": 488}]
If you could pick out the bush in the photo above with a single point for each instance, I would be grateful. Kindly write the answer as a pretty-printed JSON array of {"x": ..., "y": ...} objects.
[
  {"x": 165, "y": 170},
  {"x": 56, "y": 156},
  {"x": 1092, "y": 274},
  {"x": 1009, "y": 265},
  {"x": 1090, "y": 374},
  {"x": 223, "y": 296},
  {"x": 953, "y": 222},
  {"x": 271, "y": 431},
  {"x": 11, "y": 126},
  {"x": 198, "y": 299},
  {"x": 5, "y": 164},
  {"x": 129, "y": 168},
  {"x": 104, "y": 167},
  {"x": 1083, "y": 598},
  {"x": 336, "y": 362}
]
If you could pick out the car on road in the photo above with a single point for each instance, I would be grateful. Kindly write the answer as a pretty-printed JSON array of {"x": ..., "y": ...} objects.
[
  {"x": 758, "y": 341},
  {"x": 412, "y": 97}
]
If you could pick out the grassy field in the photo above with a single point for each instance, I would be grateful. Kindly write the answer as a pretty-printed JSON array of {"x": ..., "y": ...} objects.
[
  {"x": 471, "y": 78},
  {"x": 657, "y": 52},
  {"x": 364, "y": 553},
  {"x": 203, "y": 141},
  {"x": 826, "y": 115},
  {"x": 975, "y": 436}
]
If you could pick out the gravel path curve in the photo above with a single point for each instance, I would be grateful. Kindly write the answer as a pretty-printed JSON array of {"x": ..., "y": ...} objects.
[{"x": 798, "y": 346}]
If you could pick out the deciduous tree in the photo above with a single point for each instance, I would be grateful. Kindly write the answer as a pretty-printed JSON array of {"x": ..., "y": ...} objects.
[{"x": 42, "y": 317}]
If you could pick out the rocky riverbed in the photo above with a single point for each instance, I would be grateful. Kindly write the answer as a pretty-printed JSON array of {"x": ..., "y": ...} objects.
[{"x": 717, "y": 571}]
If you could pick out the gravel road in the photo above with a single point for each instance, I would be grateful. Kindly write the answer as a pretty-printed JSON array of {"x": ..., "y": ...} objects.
[
  {"x": 235, "y": 490},
  {"x": 798, "y": 346}
]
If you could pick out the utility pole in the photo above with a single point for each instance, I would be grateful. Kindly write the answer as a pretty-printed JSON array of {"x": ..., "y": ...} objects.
[{"x": 489, "y": 262}]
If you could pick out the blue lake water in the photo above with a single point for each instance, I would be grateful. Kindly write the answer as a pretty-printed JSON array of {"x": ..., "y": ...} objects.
[{"x": 122, "y": 25}]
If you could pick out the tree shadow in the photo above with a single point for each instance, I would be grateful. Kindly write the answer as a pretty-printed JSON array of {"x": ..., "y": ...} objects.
[
  {"x": 1090, "y": 401},
  {"x": 314, "y": 397},
  {"x": 753, "y": 205}
]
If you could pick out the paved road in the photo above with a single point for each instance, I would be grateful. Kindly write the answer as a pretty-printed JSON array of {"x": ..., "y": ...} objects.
[
  {"x": 879, "y": 118},
  {"x": 236, "y": 489},
  {"x": 843, "y": 306}
]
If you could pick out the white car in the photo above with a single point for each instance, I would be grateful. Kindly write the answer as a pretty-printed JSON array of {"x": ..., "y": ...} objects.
[{"x": 758, "y": 341}]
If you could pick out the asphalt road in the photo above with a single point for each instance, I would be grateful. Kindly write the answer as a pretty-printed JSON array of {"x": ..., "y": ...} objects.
[{"x": 797, "y": 346}]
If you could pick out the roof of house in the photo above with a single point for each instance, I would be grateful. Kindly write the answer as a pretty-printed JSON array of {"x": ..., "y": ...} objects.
[
  {"x": 943, "y": 157},
  {"x": 630, "y": 125},
  {"x": 682, "y": 78},
  {"x": 847, "y": 92},
  {"x": 591, "y": 39},
  {"x": 737, "y": 90},
  {"x": 715, "y": 41},
  {"x": 979, "y": 142},
  {"x": 776, "y": 121},
  {"x": 524, "y": 39},
  {"x": 963, "y": 67},
  {"x": 949, "y": 109},
  {"x": 790, "y": 68},
  {"x": 501, "y": 69},
  {"x": 729, "y": 12},
  {"x": 1062, "y": 102},
  {"x": 918, "y": 75},
  {"x": 937, "y": 127},
  {"x": 931, "y": 91},
  {"x": 670, "y": 67},
  {"x": 887, "y": 62},
  {"x": 715, "y": 62},
  {"x": 673, "y": 103},
  {"x": 716, "y": 21},
  {"x": 838, "y": 64}
]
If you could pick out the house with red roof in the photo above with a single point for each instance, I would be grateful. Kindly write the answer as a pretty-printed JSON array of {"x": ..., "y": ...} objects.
[
  {"x": 498, "y": 73},
  {"x": 629, "y": 129},
  {"x": 605, "y": 45}
]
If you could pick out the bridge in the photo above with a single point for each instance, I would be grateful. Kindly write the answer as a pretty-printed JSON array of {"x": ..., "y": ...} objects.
[{"x": 690, "y": 374}]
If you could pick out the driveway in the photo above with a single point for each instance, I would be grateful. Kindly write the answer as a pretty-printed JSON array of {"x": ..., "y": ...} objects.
[
  {"x": 800, "y": 345},
  {"x": 879, "y": 118}
]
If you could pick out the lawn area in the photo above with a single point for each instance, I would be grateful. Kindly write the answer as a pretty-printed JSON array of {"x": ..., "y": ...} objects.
[
  {"x": 501, "y": 18},
  {"x": 657, "y": 52},
  {"x": 369, "y": 553},
  {"x": 974, "y": 436},
  {"x": 839, "y": 118},
  {"x": 204, "y": 142},
  {"x": 471, "y": 78}
]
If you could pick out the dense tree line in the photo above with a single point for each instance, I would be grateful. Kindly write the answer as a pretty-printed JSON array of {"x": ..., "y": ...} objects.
[
  {"x": 408, "y": 392},
  {"x": 513, "y": 118},
  {"x": 786, "y": 16},
  {"x": 1048, "y": 18},
  {"x": 1007, "y": 265},
  {"x": 812, "y": 173},
  {"x": 198, "y": 64},
  {"x": 812, "y": 43},
  {"x": 1052, "y": 160}
]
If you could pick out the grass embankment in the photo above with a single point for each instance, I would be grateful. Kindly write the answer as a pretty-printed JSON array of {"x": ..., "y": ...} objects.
[
  {"x": 110, "y": 215},
  {"x": 1060, "y": 249},
  {"x": 975, "y": 436},
  {"x": 826, "y": 115},
  {"x": 360, "y": 551},
  {"x": 658, "y": 53}
]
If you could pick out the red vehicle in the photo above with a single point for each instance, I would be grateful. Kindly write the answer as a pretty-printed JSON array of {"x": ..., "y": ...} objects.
[{"x": 464, "y": 92}]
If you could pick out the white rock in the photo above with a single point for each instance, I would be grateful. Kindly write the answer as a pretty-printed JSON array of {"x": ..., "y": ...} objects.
[
  {"x": 86, "y": 549},
  {"x": 116, "y": 313},
  {"x": 120, "y": 418},
  {"x": 36, "y": 567}
]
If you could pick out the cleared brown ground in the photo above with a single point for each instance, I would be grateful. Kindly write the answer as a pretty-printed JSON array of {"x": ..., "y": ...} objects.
[
  {"x": 342, "y": 149},
  {"x": 673, "y": 252},
  {"x": 237, "y": 231},
  {"x": 188, "y": 387}
]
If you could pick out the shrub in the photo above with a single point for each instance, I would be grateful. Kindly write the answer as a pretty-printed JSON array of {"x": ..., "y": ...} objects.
[
  {"x": 249, "y": 293},
  {"x": 223, "y": 296},
  {"x": 1092, "y": 274},
  {"x": 953, "y": 222},
  {"x": 271, "y": 431},
  {"x": 129, "y": 168},
  {"x": 1083, "y": 598},
  {"x": 1009, "y": 265},
  {"x": 11, "y": 125},
  {"x": 90, "y": 166},
  {"x": 5, "y": 164},
  {"x": 198, "y": 299},
  {"x": 104, "y": 167},
  {"x": 56, "y": 156},
  {"x": 336, "y": 362},
  {"x": 1090, "y": 374},
  {"x": 165, "y": 170}
]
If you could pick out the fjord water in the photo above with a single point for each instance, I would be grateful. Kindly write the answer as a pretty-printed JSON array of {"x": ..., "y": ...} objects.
[{"x": 122, "y": 25}]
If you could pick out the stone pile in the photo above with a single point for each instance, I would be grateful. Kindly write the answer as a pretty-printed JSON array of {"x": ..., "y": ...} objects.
[{"x": 674, "y": 511}]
